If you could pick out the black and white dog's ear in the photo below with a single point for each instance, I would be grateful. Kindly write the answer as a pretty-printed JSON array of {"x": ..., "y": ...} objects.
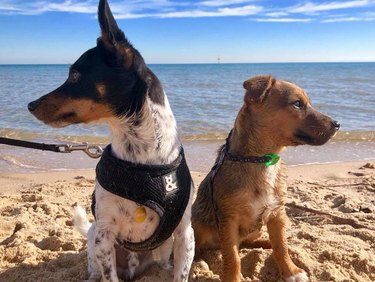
[
  {"x": 118, "y": 50},
  {"x": 111, "y": 34}
]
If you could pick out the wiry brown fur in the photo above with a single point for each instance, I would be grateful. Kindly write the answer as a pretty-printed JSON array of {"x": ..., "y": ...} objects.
[{"x": 246, "y": 196}]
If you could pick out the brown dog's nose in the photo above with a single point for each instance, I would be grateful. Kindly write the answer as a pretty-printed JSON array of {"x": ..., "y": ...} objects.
[
  {"x": 336, "y": 124},
  {"x": 33, "y": 105}
]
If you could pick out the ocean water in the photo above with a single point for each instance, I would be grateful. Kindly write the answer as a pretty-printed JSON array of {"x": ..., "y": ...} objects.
[{"x": 205, "y": 99}]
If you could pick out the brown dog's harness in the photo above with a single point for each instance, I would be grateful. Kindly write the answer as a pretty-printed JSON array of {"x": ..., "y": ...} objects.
[{"x": 163, "y": 188}]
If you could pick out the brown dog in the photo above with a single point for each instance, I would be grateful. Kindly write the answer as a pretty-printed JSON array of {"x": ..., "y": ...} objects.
[{"x": 241, "y": 193}]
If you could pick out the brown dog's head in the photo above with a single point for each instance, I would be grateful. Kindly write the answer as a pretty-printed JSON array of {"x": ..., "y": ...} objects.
[
  {"x": 109, "y": 80},
  {"x": 284, "y": 112}
]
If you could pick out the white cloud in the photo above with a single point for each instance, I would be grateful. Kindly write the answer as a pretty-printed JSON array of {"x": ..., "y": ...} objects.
[
  {"x": 336, "y": 20},
  {"x": 135, "y": 9},
  {"x": 40, "y": 7},
  {"x": 221, "y": 12},
  {"x": 320, "y": 12},
  {"x": 284, "y": 20},
  {"x": 7, "y": 8},
  {"x": 218, "y": 3},
  {"x": 311, "y": 7},
  {"x": 70, "y": 6},
  {"x": 195, "y": 13},
  {"x": 362, "y": 18},
  {"x": 276, "y": 14},
  {"x": 141, "y": 6},
  {"x": 125, "y": 9}
]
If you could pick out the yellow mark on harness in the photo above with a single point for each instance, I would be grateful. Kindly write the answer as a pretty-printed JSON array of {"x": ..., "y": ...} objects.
[{"x": 140, "y": 214}]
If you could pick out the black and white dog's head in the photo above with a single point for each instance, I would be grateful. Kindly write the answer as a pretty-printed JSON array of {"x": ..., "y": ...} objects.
[{"x": 108, "y": 80}]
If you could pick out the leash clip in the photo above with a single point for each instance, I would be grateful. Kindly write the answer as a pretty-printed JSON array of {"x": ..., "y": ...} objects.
[{"x": 93, "y": 151}]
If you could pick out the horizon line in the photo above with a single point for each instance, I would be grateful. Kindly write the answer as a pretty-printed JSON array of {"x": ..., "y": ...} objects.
[{"x": 207, "y": 63}]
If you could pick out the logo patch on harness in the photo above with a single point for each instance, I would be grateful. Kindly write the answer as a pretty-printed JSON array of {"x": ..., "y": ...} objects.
[{"x": 170, "y": 182}]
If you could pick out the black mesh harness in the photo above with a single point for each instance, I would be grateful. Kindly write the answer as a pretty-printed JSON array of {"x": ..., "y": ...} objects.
[{"x": 162, "y": 188}]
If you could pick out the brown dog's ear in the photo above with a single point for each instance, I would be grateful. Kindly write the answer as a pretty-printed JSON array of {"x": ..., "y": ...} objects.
[{"x": 257, "y": 88}]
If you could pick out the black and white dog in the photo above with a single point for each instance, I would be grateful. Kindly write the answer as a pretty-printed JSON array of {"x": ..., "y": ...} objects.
[{"x": 143, "y": 193}]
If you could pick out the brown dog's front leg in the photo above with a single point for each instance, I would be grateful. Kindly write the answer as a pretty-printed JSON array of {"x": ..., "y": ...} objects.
[
  {"x": 228, "y": 233},
  {"x": 276, "y": 228}
]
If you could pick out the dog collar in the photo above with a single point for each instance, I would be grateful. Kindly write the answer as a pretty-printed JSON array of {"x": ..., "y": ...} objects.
[
  {"x": 267, "y": 160},
  {"x": 162, "y": 188}
]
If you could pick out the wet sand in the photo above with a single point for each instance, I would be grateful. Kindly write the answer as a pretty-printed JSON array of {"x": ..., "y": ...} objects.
[{"x": 200, "y": 155}]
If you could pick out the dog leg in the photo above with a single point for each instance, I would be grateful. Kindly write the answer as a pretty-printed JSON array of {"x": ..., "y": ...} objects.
[
  {"x": 93, "y": 267},
  {"x": 184, "y": 245},
  {"x": 206, "y": 237},
  {"x": 228, "y": 232},
  {"x": 105, "y": 254},
  {"x": 165, "y": 254},
  {"x": 276, "y": 228},
  {"x": 253, "y": 240},
  {"x": 253, "y": 244},
  {"x": 183, "y": 252}
]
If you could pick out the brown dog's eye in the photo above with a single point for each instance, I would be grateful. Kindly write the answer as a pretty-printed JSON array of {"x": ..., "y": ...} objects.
[
  {"x": 74, "y": 76},
  {"x": 298, "y": 104}
]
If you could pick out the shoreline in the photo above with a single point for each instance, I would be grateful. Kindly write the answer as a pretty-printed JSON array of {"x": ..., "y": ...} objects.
[{"x": 200, "y": 155}]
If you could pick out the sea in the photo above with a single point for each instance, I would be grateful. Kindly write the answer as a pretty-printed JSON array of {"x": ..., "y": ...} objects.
[{"x": 205, "y": 99}]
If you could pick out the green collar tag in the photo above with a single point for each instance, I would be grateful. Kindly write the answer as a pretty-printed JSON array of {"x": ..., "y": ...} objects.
[{"x": 273, "y": 159}]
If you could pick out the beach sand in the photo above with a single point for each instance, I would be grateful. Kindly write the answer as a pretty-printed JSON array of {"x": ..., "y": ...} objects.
[{"x": 331, "y": 233}]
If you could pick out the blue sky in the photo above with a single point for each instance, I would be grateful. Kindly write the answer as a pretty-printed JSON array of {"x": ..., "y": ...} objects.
[{"x": 187, "y": 31}]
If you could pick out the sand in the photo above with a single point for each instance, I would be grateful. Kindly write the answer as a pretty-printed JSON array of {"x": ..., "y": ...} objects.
[{"x": 331, "y": 233}]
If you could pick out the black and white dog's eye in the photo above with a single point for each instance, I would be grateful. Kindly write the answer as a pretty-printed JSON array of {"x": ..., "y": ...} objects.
[
  {"x": 74, "y": 76},
  {"x": 298, "y": 104}
]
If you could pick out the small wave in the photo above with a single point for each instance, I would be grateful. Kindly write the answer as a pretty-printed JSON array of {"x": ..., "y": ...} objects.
[
  {"x": 205, "y": 137},
  {"x": 14, "y": 161},
  {"x": 100, "y": 140},
  {"x": 340, "y": 136},
  {"x": 355, "y": 136},
  {"x": 36, "y": 136}
]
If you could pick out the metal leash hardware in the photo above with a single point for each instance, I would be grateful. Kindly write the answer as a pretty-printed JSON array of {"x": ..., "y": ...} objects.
[{"x": 93, "y": 151}]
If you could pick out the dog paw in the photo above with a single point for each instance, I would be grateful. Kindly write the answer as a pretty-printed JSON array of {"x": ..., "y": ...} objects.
[
  {"x": 166, "y": 265},
  {"x": 299, "y": 277},
  {"x": 201, "y": 264},
  {"x": 94, "y": 277}
]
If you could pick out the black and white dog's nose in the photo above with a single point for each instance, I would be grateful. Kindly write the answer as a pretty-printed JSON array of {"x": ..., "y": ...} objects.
[
  {"x": 336, "y": 124},
  {"x": 33, "y": 105}
]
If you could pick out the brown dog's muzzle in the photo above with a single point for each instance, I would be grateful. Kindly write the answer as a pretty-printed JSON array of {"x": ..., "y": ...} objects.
[
  {"x": 316, "y": 129},
  {"x": 32, "y": 106}
]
